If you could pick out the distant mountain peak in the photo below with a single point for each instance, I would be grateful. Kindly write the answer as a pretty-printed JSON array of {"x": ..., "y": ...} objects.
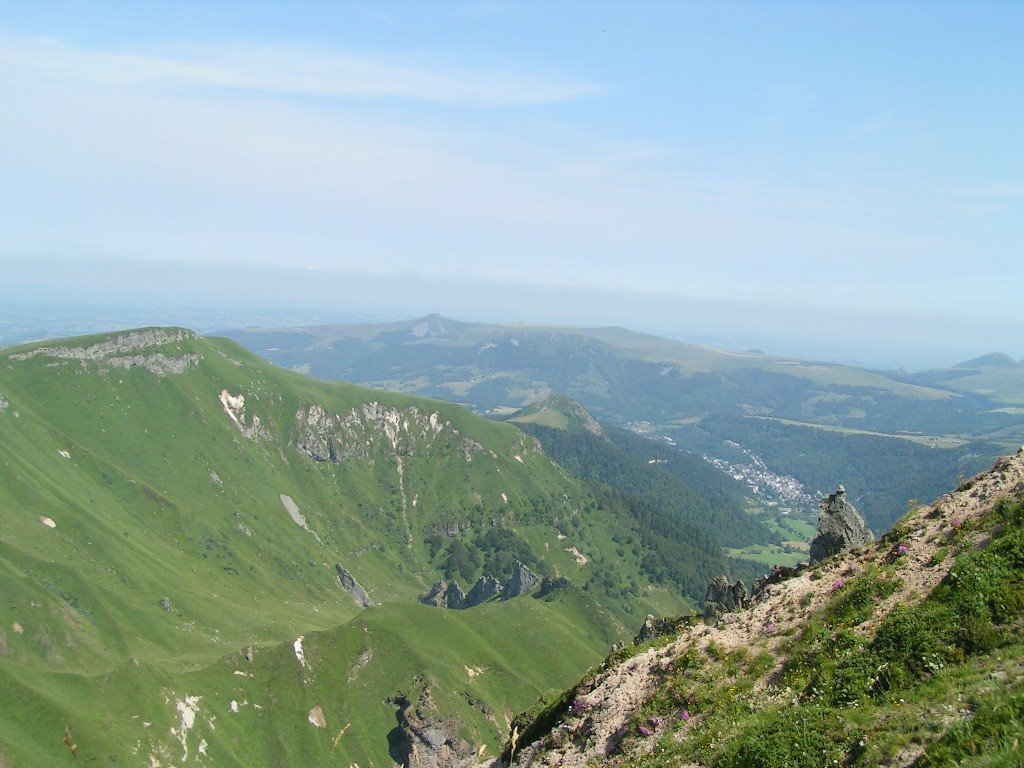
[
  {"x": 434, "y": 325},
  {"x": 991, "y": 360},
  {"x": 558, "y": 411}
]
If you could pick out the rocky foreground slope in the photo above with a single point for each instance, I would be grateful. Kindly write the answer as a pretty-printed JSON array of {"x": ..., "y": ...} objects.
[{"x": 904, "y": 652}]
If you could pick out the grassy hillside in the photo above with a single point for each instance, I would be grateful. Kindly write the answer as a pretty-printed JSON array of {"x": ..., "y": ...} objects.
[
  {"x": 906, "y": 653},
  {"x": 163, "y": 512}
]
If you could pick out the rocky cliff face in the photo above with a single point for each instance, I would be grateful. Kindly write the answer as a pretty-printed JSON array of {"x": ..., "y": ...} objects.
[
  {"x": 250, "y": 426},
  {"x": 840, "y": 528},
  {"x": 523, "y": 580},
  {"x": 375, "y": 429},
  {"x": 723, "y": 597},
  {"x": 354, "y": 588},
  {"x": 424, "y": 738},
  {"x": 485, "y": 588},
  {"x": 125, "y": 351}
]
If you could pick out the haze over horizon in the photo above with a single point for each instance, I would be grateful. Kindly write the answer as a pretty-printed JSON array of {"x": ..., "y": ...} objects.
[{"x": 840, "y": 181}]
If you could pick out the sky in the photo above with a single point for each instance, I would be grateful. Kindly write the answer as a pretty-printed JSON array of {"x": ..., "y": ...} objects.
[{"x": 844, "y": 174}]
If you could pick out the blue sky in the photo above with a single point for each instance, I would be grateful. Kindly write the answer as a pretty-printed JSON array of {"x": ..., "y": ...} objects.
[{"x": 829, "y": 160}]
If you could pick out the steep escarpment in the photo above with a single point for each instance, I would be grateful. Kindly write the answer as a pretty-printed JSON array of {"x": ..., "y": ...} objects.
[
  {"x": 903, "y": 652},
  {"x": 373, "y": 428},
  {"x": 156, "y": 350}
]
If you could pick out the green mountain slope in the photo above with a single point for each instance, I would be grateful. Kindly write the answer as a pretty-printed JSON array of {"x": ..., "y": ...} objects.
[
  {"x": 994, "y": 376},
  {"x": 684, "y": 509},
  {"x": 905, "y": 653},
  {"x": 706, "y": 400},
  {"x": 170, "y": 501}
]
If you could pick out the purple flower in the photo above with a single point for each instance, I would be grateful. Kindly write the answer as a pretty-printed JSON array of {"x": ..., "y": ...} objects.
[
  {"x": 902, "y": 549},
  {"x": 645, "y": 731},
  {"x": 769, "y": 629},
  {"x": 956, "y": 522},
  {"x": 577, "y": 706},
  {"x": 655, "y": 721},
  {"x": 684, "y": 715},
  {"x": 838, "y": 584}
]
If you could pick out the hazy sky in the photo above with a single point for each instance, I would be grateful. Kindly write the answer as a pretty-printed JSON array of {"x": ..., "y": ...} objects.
[{"x": 863, "y": 156}]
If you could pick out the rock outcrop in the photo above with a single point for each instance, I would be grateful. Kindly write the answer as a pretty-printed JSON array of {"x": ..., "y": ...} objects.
[
  {"x": 655, "y": 627},
  {"x": 551, "y": 584},
  {"x": 375, "y": 429},
  {"x": 723, "y": 597},
  {"x": 252, "y": 428},
  {"x": 450, "y": 595},
  {"x": 485, "y": 588},
  {"x": 114, "y": 352},
  {"x": 354, "y": 588},
  {"x": 445, "y": 595},
  {"x": 840, "y": 528},
  {"x": 423, "y": 737},
  {"x": 521, "y": 581},
  {"x": 454, "y": 596}
]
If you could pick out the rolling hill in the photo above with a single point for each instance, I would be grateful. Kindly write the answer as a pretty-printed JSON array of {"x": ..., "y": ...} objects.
[{"x": 205, "y": 557}]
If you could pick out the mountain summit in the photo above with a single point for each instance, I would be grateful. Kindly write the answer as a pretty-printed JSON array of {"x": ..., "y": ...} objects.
[{"x": 560, "y": 412}]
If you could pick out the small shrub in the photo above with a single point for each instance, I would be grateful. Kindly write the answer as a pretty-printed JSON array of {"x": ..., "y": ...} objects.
[
  {"x": 912, "y": 643},
  {"x": 938, "y": 557},
  {"x": 854, "y": 604},
  {"x": 845, "y": 673},
  {"x": 804, "y": 737},
  {"x": 993, "y": 733}
]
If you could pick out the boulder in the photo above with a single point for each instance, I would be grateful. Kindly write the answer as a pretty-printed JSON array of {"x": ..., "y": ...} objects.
[
  {"x": 436, "y": 594},
  {"x": 840, "y": 528},
  {"x": 655, "y": 627},
  {"x": 354, "y": 588},
  {"x": 550, "y": 584},
  {"x": 723, "y": 597}
]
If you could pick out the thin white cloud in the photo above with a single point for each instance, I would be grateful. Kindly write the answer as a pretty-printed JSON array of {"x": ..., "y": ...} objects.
[
  {"x": 993, "y": 190},
  {"x": 283, "y": 70}
]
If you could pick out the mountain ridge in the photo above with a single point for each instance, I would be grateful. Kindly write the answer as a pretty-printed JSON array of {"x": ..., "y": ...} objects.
[
  {"x": 827, "y": 423},
  {"x": 792, "y": 680}
]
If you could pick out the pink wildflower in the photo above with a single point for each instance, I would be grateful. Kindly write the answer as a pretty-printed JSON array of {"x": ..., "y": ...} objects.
[
  {"x": 902, "y": 549},
  {"x": 645, "y": 731},
  {"x": 684, "y": 715},
  {"x": 838, "y": 584}
]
